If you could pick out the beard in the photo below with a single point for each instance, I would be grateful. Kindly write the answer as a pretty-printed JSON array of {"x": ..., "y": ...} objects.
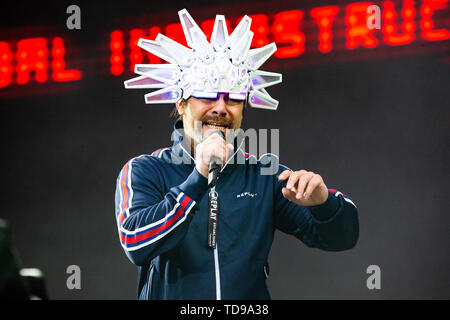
[{"x": 202, "y": 129}]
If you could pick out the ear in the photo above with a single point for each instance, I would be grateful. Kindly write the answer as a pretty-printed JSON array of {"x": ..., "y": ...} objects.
[{"x": 180, "y": 107}]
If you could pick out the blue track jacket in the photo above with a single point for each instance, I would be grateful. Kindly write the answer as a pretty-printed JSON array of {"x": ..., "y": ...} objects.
[{"x": 162, "y": 208}]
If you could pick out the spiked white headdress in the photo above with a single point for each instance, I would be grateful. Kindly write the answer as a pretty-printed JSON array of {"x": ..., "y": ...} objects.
[{"x": 225, "y": 65}]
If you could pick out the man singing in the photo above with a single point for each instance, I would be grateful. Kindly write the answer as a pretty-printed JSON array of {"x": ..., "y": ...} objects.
[{"x": 196, "y": 233}]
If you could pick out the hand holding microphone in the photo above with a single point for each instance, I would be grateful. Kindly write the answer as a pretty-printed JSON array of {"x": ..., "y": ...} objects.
[
  {"x": 215, "y": 163},
  {"x": 211, "y": 155}
]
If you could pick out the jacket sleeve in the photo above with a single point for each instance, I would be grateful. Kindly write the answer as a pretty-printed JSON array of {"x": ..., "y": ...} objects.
[
  {"x": 150, "y": 221},
  {"x": 331, "y": 226}
]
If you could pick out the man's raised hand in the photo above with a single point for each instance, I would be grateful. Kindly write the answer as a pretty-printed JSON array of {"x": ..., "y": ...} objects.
[{"x": 304, "y": 188}]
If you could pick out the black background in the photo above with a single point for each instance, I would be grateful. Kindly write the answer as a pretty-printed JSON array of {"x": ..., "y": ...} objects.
[{"x": 374, "y": 129}]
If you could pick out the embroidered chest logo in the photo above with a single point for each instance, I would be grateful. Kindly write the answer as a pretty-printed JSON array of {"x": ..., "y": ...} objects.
[{"x": 246, "y": 194}]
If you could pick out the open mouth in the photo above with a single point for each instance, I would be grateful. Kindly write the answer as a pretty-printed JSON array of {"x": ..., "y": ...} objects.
[{"x": 216, "y": 125}]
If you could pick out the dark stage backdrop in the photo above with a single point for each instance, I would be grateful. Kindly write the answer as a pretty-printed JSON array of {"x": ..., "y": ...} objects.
[{"x": 376, "y": 128}]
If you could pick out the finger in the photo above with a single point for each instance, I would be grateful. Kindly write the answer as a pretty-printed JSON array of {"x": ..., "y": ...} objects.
[
  {"x": 218, "y": 133},
  {"x": 303, "y": 182},
  {"x": 230, "y": 149},
  {"x": 209, "y": 154},
  {"x": 200, "y": 153},
  {"x": 229, "y": 134},
  {"x": 312, "y": 185},
  {"x": 213, "y": 136},
  {"x": 288, "y": 194},
  {"x": 293, "y": 178},
  {"x": 284, "y": 175},
  {"x": 215, "y": 146},
  {"x": 218, "y": 151},
  {"x": 208, "y": 136},
  {"x": 224, "y": 153}
]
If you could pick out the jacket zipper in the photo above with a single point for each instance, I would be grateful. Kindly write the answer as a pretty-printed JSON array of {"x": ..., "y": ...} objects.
[
  {"x": 149, "y": 281},
  {"x": 216, "y": 254},
  {"x": 216, "y": 268}
]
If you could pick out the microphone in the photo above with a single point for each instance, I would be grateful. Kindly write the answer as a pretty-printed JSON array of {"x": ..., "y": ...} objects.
[{"x": 214, "y": 166}]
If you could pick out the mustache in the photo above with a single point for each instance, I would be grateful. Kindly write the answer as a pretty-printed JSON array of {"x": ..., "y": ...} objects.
[{"x": 217, "y": 120}]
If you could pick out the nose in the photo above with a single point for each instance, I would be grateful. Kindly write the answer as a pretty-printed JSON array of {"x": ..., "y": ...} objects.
[{"x": 219, "y": 108}]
